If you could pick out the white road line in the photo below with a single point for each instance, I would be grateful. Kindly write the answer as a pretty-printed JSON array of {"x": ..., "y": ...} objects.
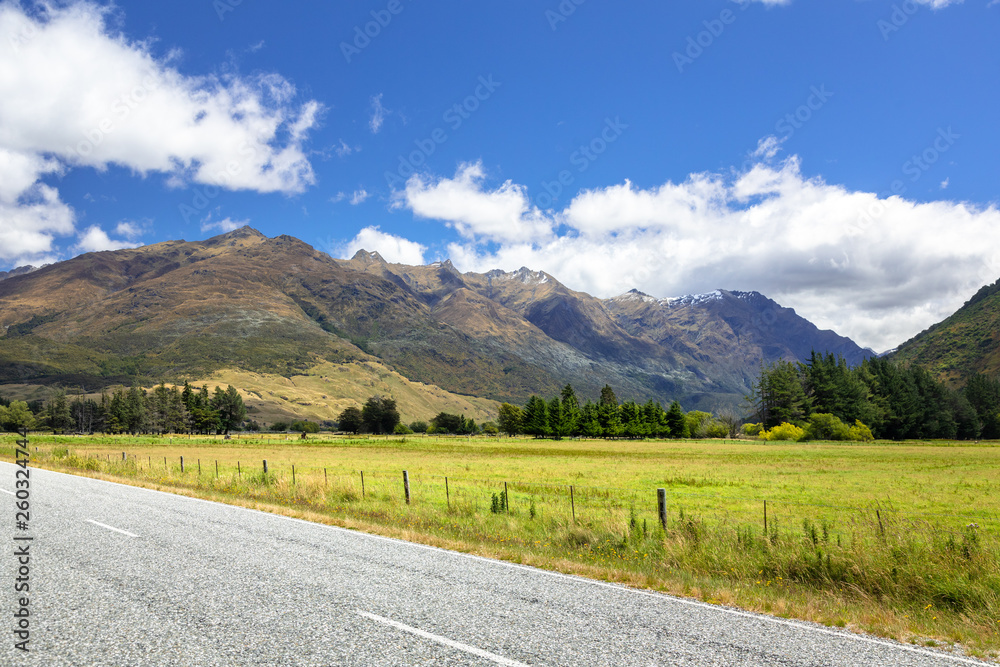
[
  {"x": 663, "y": 597},
  {"x": 117, "y": 530},
  {"x": 6, "y": 491},
  {"x": 499, "y": 659}
]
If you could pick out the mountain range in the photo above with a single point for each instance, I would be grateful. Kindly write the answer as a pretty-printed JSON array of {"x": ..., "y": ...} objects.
[{"x": 244, "y": 306}]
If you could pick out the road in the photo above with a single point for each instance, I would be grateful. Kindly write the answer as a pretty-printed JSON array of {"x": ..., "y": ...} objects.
[{"x": 127, "y": 576}]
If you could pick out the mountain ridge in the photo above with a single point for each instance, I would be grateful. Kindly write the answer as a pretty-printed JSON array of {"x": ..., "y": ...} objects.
[{"x": 277, "y": 305}]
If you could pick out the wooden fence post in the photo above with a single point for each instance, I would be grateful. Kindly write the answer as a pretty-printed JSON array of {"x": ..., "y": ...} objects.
[
  {"x": 199, "y": 467},
  {"x": 325, "y": 480},
  {"x": 293, "y": 474},
  {"x": 765, "y": 518},
  {"x": 362, "y": 483},
  {"x": 572, "y": 504},
  {"x": 506, "y": 498},
  {"x": 406, "y": 486},
  {"x": 265, "y": 466},
  {"x": 447, "y": 495},
  {"x": 216, "y": 468},
  {"x": 182, "y": 464},
  {"x": 661, "y": 504}
]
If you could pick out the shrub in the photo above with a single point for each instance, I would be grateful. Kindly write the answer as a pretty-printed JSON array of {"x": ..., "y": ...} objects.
[
  {"x": 752, "y": 429},
  {"x": 279, "y": 426},
  {"x": 402, "y": 429},
  {"x": 716, "y": 429},
  {"x": 784, "y": 431},
  {"x": 305, "y": 426},
  {"x": 419, "y": 427},
  {"x": 824, "y": 426},
  {"x": 860, "y": 433}
]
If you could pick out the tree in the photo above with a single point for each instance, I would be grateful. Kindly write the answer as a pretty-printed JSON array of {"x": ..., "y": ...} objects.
[
  {"x": 676, "y": 421},
  {"x": 555, "y": 418},
  {"x": 230, "y": 407},
  {"x": 536, "y": 420},
  {"x": 350, "y": 420},
  {"x": 379, "y": 415},
  {"x": 608, "y": 396},
  {"x": 418, "y": 426},
  {"x": 446, "y": 422},
  {"x": 17, "y": 416},
  {"x": 509, "y": 419},
  {"x": 983, "y": 393},
  {"x": 569, "y": 416},
  {"x": 58, "y": 413}
]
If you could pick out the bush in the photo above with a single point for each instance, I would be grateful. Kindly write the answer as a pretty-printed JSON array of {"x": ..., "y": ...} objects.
[
  {"x": 824, "y": 426},
  {"x": 860, "y": 433},
  {"x": 716, "y": 430},
  {"x": 752, "y": 429},
  {"x": 418, "y": 427},
  {"x": 279, "y": 426},
  {"x": 489, "y": 428},
  {"x": 784, "y": 431},
  {"x": 402, "y": 429},
  {"x": 305, "y": 426}
]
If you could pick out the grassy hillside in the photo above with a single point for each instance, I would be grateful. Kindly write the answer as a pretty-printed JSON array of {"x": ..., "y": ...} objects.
[{"x": 966, "y": 343}]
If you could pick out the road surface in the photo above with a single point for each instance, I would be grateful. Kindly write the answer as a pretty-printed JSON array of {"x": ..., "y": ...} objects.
[{"x": 127, "y": 576}]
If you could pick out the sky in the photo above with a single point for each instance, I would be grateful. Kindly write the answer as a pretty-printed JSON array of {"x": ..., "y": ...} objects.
[{"x": 838, "y": 156}]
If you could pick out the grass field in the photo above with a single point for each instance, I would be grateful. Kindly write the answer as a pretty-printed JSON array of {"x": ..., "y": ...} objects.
[{"x": 898, "y": 539}]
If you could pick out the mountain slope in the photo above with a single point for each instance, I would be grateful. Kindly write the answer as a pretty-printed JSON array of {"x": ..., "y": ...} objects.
[
  {"x": 963, "y": 344},
  {"x": 244, "y": 303}
]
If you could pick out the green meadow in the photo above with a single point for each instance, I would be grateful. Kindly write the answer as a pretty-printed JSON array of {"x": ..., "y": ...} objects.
[{"x": 897, "y": 539}]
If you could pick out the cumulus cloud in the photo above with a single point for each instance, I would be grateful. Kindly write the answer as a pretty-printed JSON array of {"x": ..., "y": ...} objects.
[
  {"x": 394, "y": 249},
  {"x": 876, "y": 268},
  {"x": 95, "y": 239},
  {"x": 501, "y": 214},
  {"x": 75, "y": 93}
]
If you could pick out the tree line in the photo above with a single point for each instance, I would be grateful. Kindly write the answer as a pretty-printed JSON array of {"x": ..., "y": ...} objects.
[
  {"x": 895, "y": 402},
  {"x": 133, "y": 410},
  {"x": 563, "y": 416}
]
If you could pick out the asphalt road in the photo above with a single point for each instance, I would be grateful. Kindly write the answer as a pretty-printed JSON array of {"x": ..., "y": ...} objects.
[{"x": 126, "y": 576}]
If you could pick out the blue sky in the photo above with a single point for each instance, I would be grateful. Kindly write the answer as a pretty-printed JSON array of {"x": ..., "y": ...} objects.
[{"x": 838, "y": 156}]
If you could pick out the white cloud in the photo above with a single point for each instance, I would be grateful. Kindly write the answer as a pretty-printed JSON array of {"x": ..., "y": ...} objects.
[
  {"x": 502, "y": 214},
  {"x": 378, "y": 114},
  {"x": 222, "y": 226},
  {"x": 95, "y": 239},
  {"x": 355, "y": 198},
  {"x": 876, "y": 269},
  {"x": 76, "y": 93},
  {"x": 343, "y": 150},
  {"x": 945, "y": 183},
  {"x": 394, "y": 249},
  {"x": 132, "y": 230}
]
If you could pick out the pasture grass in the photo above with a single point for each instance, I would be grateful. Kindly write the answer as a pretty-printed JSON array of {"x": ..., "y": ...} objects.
[{"x": 896, "y": 539}]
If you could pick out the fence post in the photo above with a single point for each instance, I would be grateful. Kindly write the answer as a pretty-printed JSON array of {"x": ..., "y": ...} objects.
[
  {"x": 362, "y": 483},
  {"x": 293, "y": 474},
  {"x": 765, "y": 518},
  {"x": 406, "y": 486},
  {"x": 325, "y": 481},
  {"x": 164, "y": 462},
  {"x": 506, "y": 498},
  {"x": 265, "y": 466},
  {"x": 182, "y": 464},
  {"x": 199, "y": 467},
  {"x": 216, "y": 468},
  {"x": 572, "y": 504},
  {"x": 447, "y": 496},
  {"x": 238, "y": 471},
  {"x": 123, "y": 456},
  {"x": 661, "y": 504}
]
